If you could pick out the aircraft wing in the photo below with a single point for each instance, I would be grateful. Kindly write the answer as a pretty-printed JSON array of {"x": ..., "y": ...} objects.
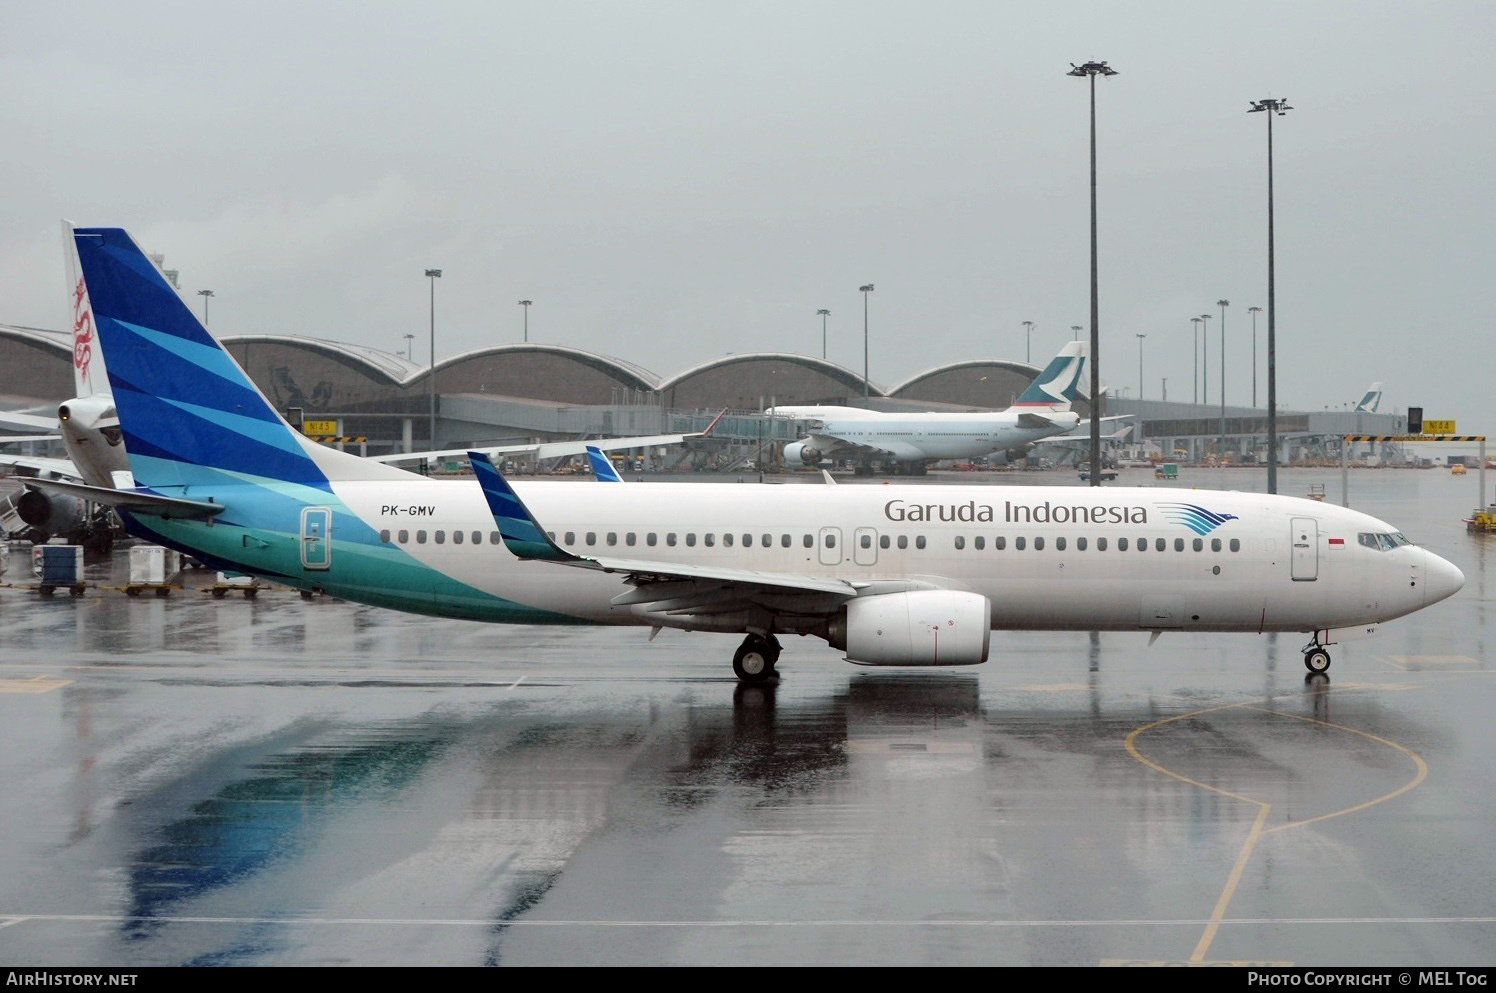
[
  {"x": 38, "y": 466},
  {"x": 14, "y": 420},
  {"x": 661, "y": 589},
  {"x": 840, "y": 448}
]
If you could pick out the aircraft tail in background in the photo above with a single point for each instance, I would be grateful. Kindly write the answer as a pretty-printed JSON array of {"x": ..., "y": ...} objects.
[
  {"x": 1371, "y": 401},
  {"x": 1058, "y": 386}
]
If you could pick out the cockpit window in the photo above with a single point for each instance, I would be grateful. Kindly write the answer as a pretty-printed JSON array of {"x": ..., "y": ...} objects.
[{"x": 1382, "y": 542}]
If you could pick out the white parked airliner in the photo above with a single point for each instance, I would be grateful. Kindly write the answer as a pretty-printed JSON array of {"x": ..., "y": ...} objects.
[{"x": 892, "y": 575}]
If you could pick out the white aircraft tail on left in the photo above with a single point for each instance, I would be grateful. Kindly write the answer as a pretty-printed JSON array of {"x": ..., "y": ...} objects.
[{"x": 892, "y": 575}]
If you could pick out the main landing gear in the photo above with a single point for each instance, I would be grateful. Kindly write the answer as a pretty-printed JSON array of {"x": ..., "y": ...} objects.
[
  {"x": 1316, "y": 659},
  {"x": 754, "y": 660}
]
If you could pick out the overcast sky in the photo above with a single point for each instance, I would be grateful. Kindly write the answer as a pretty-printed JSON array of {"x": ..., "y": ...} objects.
[{"x": 670, "y": 182}]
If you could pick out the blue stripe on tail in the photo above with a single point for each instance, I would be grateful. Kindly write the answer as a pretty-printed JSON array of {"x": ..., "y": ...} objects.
[{"x": 188, "y": 413}]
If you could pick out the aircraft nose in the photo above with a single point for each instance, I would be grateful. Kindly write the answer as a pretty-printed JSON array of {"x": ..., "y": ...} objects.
[{"x": 1442, "y": 579}]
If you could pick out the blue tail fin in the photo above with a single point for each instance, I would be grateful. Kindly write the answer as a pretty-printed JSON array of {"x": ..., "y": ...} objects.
[
  {"x": 188, "y": 413},
  {"x": 1059, "y": 385}
]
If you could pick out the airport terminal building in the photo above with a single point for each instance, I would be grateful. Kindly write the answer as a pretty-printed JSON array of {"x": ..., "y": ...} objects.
[{"x": 378, "y": 402}]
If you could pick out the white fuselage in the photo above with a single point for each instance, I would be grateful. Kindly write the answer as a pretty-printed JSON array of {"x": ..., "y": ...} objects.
[
  {"x": 1045, "y": 557},
  {"x": 930, "y": 435}
]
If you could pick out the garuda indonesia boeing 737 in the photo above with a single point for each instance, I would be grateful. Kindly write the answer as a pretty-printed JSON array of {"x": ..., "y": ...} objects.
[{"x": 892, "y": 575}]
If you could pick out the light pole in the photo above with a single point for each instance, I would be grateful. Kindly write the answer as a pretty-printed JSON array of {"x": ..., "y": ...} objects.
[
  {"x": 864, "y": 290},
  {"x": 526, "y": 304},
  {"x": 824, "y": 313},
  {"x": 1141, "y": 335},
  {"x": 1275, "y": 108},
  {"x": 1075, "y": 332},
  {"x": 1254, "y": 311},
  {"x": 1223, "y": 304},
  {"x": 1028, "y": 338},
  {"x": 433, "y": 275},
  {"x": 410, "y": 347},
  {"x": 1091, "y": 70},
  {"x": 1195, "y": 337},
  {"x": 205, "y": 294},
  {"x": 1204, "y": 359}
]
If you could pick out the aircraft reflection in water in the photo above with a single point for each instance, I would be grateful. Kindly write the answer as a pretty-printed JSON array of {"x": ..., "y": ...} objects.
[{"x": 892, "y": 576}]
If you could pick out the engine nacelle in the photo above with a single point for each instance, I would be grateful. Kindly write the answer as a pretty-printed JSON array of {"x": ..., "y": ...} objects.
[
  {"x": 802, "y": 453},
  {"x": 920, "y": 627},
  {"x": 90, "y": 429},
  {"x": 51, "y": 513}
]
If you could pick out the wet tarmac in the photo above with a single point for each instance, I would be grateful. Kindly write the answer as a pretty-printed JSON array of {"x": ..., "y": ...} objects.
[{"x": 275, "y": 781}]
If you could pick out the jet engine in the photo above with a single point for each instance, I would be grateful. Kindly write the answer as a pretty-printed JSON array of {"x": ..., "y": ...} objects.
[
  {"x": 802, "y": 453},
  {"x": 920, "y": 627},
  {"x": 90, "y": 429},
  {"x": 52, "y": 513}
]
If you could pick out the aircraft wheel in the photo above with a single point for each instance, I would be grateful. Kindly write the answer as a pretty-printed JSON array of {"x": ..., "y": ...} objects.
[
  {"x": 1316, "y": 660},
  {"x": 754, "y": 660}
]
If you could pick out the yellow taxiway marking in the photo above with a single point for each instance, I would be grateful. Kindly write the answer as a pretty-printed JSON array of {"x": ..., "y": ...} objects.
[
  {"x": 1258, "y": 830},
  {"x": 36, "y": 684}
]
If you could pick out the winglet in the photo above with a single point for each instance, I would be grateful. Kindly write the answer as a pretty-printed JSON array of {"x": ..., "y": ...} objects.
[
  {"x": 712, "y": 425},
  {"x": 602, "y": 466},
  {"x": 522, "y": 534}
]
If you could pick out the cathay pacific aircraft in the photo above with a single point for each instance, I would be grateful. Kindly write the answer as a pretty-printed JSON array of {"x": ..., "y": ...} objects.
[
  {"x": 908, "y": 442},
  {"x": 900, "y": 575}
]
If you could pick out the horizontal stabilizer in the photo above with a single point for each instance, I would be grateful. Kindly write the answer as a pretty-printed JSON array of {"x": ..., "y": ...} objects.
[{"x": 137, "y": 501}]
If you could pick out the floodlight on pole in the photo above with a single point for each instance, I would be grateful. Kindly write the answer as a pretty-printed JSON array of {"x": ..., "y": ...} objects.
[
  {"x": 1091, "y": 70},
  {"x": 205, "y": 294},
  {"x": 1254, "y": 311},
  {"x": 410, "y": 347},
  {"x": 864, "y": 290},
  {"x": 433, "y": 275},
  {"x": 1140, "y": 335},
  {"x": 1275, "y": 108},
  {"x": 526, "y": 304},
  {"x": 1195, "y": 337},
  {"x": 1204, "y": 359},
  {"x": 1223, "y": 304},
  {"x": 823, "y": 313},
  {"x": 1075, "y": 330},
  {"x": 1028, "y": 337}
]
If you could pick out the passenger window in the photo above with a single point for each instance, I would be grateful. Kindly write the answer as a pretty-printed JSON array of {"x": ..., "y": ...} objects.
[
  {"x": 404, "y": 536},
  {"x": 1178, "y": 544},
  {"x": 979, "y": 542},
  {"x": 649, "y": 539},
  {"x": 494, "y": 537},
  {"x": 727, "y": 540},
  {"x": 709, "y": 539},
  {"x": 999, "y": 543},
  {"x": 1019, "y": 543},
  {"x": 591, "y": 537},
  {"x": 630, "y": 539},
  {"x": 747, "y": 541},
  {"x": 457, "y": 536},
  {"x": 1142, "y": 544},
  {"x": 785, "y": 541},
  {"x": 883, "y": 541},
  {"x": 1236, "y": 544},
  {"x": 767, "y": 540},
  {"x": 903, "y": 541},
  {"x": 919, "y": 541},
  {"x": 1038, "y": 544},
  {"x": 1160, "y": 544},
  {"x": 384, "y": 535},
  {"x": 670, "y": 539},
  {"x": 1215, "y": 544},
  {"x": 420, "y": 537},
  {"x": 441, "y": 537},
  {"x": 1101, "y": 544},
  {"x": 960, "y": 542},
  {"x": 612, "y": 537},
  {"x": 1199, "y": 544},
  {"x": 1059, "y": 544},
  {"x": 808, "y": 541},
  {"x": 690, "y": 539},
  {"x": 830, "y": 540},
  {"x": 1080, "y": 544},
  {"x": 477, "y": 537},
  {"x": 1121, "y": 544},
  {"x": 866, "y": 541}
]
